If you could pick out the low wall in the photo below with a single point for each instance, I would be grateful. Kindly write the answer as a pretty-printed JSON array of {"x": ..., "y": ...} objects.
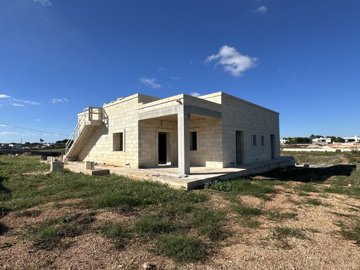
[{"x": 317, "y": 150}]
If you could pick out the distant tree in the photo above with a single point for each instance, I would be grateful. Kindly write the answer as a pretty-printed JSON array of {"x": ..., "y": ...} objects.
[
  {"x": 27, "y": 143},
  {"x": 312, "y": 136},
  {"x": 297, "y": 140},
  {"x": 339, "y": 140}
]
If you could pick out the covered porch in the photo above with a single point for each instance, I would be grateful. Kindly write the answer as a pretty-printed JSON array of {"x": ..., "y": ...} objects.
[{"x": 180, "y": 136}]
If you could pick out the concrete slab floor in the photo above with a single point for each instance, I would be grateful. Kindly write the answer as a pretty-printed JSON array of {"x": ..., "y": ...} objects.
[{"x": 197, "y": 178}]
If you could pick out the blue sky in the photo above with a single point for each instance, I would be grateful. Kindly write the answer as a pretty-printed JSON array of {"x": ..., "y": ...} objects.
[{"x": 298, "y": 57}]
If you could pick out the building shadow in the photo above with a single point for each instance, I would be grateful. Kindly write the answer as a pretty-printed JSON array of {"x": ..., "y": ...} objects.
[{"x": 306, "y": 175}]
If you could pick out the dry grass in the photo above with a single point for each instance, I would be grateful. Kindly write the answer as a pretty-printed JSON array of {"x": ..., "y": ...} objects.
[{"x": 245, "y": 224}]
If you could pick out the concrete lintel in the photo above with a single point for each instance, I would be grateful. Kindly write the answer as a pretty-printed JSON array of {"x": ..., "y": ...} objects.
[
  {"x": 155, "y": 113},
  {"x": 203, "y": 111}
]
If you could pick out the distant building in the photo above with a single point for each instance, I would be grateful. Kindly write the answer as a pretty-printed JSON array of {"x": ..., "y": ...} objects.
[
  {"x": 15, "y": 145},
  {"x": 352, "y": 139},
  {"x": 284, "y": 141},
  {"x": 321, "y": 140}
]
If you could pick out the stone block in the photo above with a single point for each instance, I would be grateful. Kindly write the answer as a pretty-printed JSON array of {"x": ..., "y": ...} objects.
[
  {"x": 89, "y": 165},
  {"x": 100, "y": 172},
  {"x": 56, "y": 166}
]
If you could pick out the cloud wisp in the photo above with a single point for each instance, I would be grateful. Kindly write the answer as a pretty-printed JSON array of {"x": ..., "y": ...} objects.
[
  {"x": 3, "y": 96},
  {"x": 17, "y": 102},
  {"x": 59, "y": 100},
  {"x": 233, "y": 61},
  {"x": 26, "y": 102},
  {"x": 151, "y": 82},
  {"x": 44, "y": 3},
  {"x": 261, "y": 10}
]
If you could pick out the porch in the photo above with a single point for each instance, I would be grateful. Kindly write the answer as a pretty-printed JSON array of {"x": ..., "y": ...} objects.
[
  {"x": 183, "y": 133},
  {"x": 198, "y": 177}
]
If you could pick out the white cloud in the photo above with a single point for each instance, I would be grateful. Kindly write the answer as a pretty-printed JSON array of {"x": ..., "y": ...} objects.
[
  {"x": 27, "y": 102},
  {"x": 261, "y": 10},
  {"x": 150, "y": 82},
  {"x": 18, "y": 102},
  {"x": 195, "y": 94},
  {"x": 3, "y": 133},
  {"x": 17, "y": 105},
  {"x": 233, "y": 61},
  {"x": 44, "y": 3},
  {"x": 59, "y": 100},
  {"x": 3, "y": 125},
  {"x": 3, "y": 96}
]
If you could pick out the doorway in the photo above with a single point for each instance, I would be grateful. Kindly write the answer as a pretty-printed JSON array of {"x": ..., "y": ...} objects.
[
  {"x": 239, "y": 147},
  {"x": 272, "y": 143},
  {"x": 162, "y": 147}
]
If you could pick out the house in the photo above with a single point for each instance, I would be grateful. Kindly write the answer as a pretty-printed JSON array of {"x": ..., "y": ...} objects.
[
  {"x": 284, "y": 141},
  {"x": 355, "y": 139},
  {"x": 213, "y": 131},
  {"x": 321, "y": 140}
]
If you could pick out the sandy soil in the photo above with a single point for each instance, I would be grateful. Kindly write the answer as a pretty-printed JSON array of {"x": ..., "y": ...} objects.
[{"x": 246, "y": 248}]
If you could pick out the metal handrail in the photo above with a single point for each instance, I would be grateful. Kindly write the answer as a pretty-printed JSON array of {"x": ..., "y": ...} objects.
[{"x": 87, "y": 115}]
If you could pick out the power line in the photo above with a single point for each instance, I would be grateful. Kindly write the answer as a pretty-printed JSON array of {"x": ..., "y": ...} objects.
[{"x": 32, "y": 129}]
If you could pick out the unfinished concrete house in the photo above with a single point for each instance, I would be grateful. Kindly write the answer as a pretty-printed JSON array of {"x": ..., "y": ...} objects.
[{"x": 214, "y": 131}]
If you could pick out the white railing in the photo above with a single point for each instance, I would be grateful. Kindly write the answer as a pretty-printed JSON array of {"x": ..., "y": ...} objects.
[{"x": 89, "y": 114}]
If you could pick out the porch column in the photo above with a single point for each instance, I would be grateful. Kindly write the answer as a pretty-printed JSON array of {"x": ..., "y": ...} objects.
[{"x": 183, "y": 118}]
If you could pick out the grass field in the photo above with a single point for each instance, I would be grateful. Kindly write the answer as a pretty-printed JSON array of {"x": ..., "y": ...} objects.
[{"x": 68, "y": 220}]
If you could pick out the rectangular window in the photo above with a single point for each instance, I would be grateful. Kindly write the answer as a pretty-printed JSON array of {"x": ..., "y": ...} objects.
[
  {"x": 193, "y": 141},
  {"x": 254, "y": 140},
  {"x": 118, "y": 141},
  {"x": 262, "y": 140}
]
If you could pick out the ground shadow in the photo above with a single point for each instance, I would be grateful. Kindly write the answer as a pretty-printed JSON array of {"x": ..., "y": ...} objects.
[
  {"x": 3, "y": 229},
  {"x": 3, "y": 189},
  {"x": 307, "y": 175}
]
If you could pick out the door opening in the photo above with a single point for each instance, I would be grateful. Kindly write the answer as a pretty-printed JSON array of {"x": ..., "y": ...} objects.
[
  {"x": 162, "y": 143},
  {"x": 272, "y": 143},
  {"x": 239, "y": 147}
]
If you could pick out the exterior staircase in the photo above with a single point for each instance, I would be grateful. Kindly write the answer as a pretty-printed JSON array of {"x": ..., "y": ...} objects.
[{"x": 90, "y": 119}]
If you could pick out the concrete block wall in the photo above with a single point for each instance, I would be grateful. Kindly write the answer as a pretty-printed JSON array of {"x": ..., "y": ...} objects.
[
  {"x": 209, "y": 143},
  {"x": 214, "y": 97},
  {"x": 252, "y": 120},
  {"x": 121, "y": 116},
  {"x": 209, "y": 148},
  {"x": 148, "y": 142}
]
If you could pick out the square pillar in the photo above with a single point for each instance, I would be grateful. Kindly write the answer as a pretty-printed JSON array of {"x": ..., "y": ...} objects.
[{"x": 183, "y": 119}]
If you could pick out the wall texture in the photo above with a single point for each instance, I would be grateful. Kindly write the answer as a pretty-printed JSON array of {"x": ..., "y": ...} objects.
[{"x": 252, "y": 120}]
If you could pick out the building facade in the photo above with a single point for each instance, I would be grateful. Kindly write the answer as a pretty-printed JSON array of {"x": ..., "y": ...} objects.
[{"x": 216, "y": 131}]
